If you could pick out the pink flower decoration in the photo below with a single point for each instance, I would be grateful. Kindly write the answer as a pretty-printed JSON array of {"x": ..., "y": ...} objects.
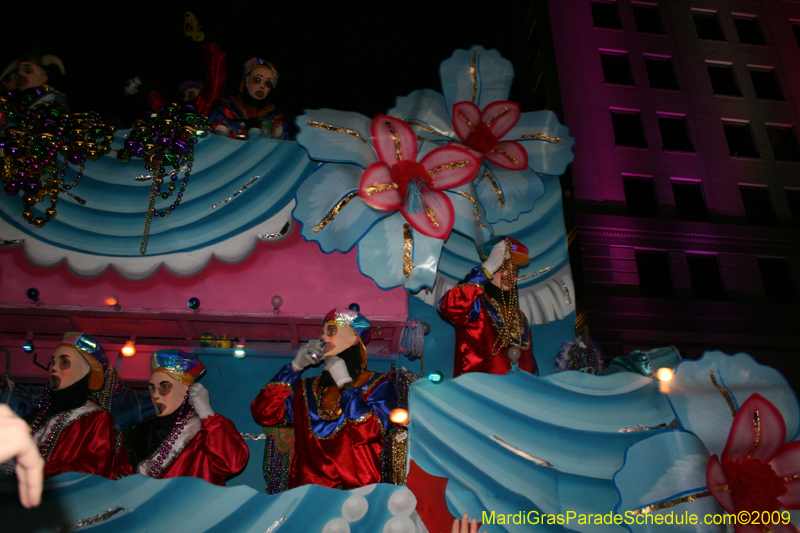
[
  {"x": 398, "y": 181},
  {"x": 758, "y": 471},
  {"x": 482, "y": 132}
]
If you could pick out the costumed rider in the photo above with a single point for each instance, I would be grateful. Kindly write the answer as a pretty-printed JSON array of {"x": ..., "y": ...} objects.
[
  {"x": 340, "y": 418},
  {"x": 186, "y": 437},
  {"x": 238, "y": 116},
  {"x": 36, "y": 75},
  {"x": 492, "y": 333},
  {"x": 73, "y": 432}
]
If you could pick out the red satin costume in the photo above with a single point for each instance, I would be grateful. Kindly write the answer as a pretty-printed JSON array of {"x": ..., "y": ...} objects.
[
  {"x": 340, "y": 449},
  {"x": 478, "y": 324},
  {"x": 215, "y": 453},
  {"x": 85, "y": 445}
]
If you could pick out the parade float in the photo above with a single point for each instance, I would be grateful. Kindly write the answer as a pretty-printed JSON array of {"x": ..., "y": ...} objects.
[{"x": 164, "y": 236}]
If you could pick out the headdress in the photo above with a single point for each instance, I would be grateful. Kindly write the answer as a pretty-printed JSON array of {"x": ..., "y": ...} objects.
[
  {"x": 92, "y": 353},
  {"x": 356, "y": 322},
  {"x": 179, "y": 365},
  {"x": 254, "y": 62},
  {"x": 518, "y": 250}
]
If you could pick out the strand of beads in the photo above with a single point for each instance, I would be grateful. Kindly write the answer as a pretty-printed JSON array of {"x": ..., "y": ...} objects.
[
  {"x": 50, "y": 442},
  {"x": 180, "y": 425},
  {"x": 44, "y": 405},
  {"x": 508, "y": 309}
]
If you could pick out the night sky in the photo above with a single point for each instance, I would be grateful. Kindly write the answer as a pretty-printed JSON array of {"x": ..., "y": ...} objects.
[{"x": 354, "y": 56}]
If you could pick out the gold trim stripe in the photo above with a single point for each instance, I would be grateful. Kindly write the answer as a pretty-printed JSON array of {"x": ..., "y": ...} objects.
[
  {"x": 408, "y": 248},
  {"x": 474, "y": 73},
  {"x": 500, "y": 114},
  {"x": 449, "y": 166},
  {"x": 423, "y": 126},
  {"x": 672, "y": 503},
  {"x": 335, "y": 211},
  {"x": 380, "y": 187},
  {"x": 467, "y": 121},
  {"x": 542, "y": 137},
  {"x": 757, "y": 437},
  {"x": 474, "y": 207},
  {"x": 323, "y": 126},
  {"x": 432, "y": 215},
  {"x": 497, "y": 190},
  {"x": 725, "y": 394},
  {"x": 397, "y": 150},
  {"x": 509, "y": 156}
]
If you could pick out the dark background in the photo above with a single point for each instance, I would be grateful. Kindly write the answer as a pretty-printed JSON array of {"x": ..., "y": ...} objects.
[{"x": 353, "y": 56}]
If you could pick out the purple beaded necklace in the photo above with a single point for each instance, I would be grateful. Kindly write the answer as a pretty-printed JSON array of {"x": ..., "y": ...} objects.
[
  {"x": 47, "y": 445},
  {"x": 180, "y": 423}
]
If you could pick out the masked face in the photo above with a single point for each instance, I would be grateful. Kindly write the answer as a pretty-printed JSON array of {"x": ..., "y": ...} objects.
[
  {"x": 30, "y": 75},
  {"x": 10, "y": 81},
  {"x": 337, "y": 339},
  {"x": 190, "y": 94},
  {"x": 259, "y": 82},
  {"x": 67, "y": 367},
  {"x": 166, "y": 393}
]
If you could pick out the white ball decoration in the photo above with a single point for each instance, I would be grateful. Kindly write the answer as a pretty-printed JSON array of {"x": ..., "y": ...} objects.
[
  {"x": 399, "y": 524},
  {"x": 337, "y": 525},
  {"x": 366, "y": 489},
  {"x": 354, "y": 508},
  {"x": 402, "y": 503}
]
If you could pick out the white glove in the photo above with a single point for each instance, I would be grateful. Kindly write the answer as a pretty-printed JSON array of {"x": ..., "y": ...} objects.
[
  {"x": 495, "y": 260},
  {"x": 308, "y": 354},
  {"x": 337, "y": 368},
  {"x": 198, "y": 397},
  {"x": 222, "y": 130}
]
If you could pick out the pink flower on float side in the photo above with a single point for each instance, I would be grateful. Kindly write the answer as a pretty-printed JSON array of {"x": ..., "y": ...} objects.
[
  {"x": 482, "y": 131},
  {"x": 758, "y": 470},
  {"x": 400, "y": 182}
]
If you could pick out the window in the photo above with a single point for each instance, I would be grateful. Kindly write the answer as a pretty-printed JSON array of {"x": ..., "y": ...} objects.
[
  {"x": 796, "y": 29},
  {"x": 628, "y": 129},
  {"x": 723, "y": 80},
  {"x": 777, "y": 278},
  {"x": 660, "y": 72},
  {"x": 757, "y": 205},
  {"x": 765, "y": 82},
  {"x": 793, "y": 197},
  {"x": 749, "y": 29},
  {"x": 740, "y": 138},
  {"x": 705, "y": 276},
  {"x": 707, "y": 25},
  {"x": 640, "y": 196},
  {"x": 784, "y": 142},
  {"x": 675, "y": 133},
  {"x": 655, "y": 280},
  {"x": 606, "y": 15},
  {"x": 648, "y": 18},
  {"x": 616, "y": 67},
  {"x": 689, "y": 201}
]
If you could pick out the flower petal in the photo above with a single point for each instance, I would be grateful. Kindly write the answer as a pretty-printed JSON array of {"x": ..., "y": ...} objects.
[
  {"x": 394, "y": 140},
  {"x": 715, "y": 480},
  {"x": 374, "y": 190},
  {"x": 501, "y": 116},
  {"x": 337, "y": 136},
  {"x": 325, "y": 189},
  {"x": 547, "y": 141},
  {"x": 437, "y": 221},
  {"x": 426, "y": 113},
  {"x": 758, "y": 436},
  {"x": 509, "y": 155},
  {"x": 466, "y": 117},
  {"x": 476, "y": 75},
  {"x": 787, "y": 465},
  {"x": 450, "y": 166},
  {"x": 470, "y": 218},
  {"x": 506, "y": 194},
  {"x": 381, "y": 255}
]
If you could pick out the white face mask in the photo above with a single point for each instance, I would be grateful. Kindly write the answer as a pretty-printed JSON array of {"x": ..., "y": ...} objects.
[
  {"x": 67, "y": 367},
  {"x": 337, "y": 339},
  {"x": 132, "y": 86},
  {"x": 166, "y": 393}
]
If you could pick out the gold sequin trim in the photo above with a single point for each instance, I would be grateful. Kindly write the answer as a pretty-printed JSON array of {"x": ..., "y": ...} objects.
[
  {"x": 672, "y": 503},
  {"x": 432, "y": 215},
  {"x": 449, "y": 166},
  {"x": 468, "y": 121},
  {"x": 542, "y": 137},
  {"x": 474, "y": 72},
  {"x": 641, "y": 428},
  {"x": 397, "y": 150},
  {"x": 408, "y": 247},
  {"x": 424, "y": 127},
  {"x": 500, "y": 114},
  {"x": 328, "y": 127},
  {"x": 364, "y": 394},
  {"x": 496, "y": 189},
  {"x": 521, "y": 453},
  {"x": 725, "y": 394},
  {"x": 335, "y": 211},
  {"x": 791, "y": 478},
  {"x": 474, "y": 207},
  {"x": 380, "y": 187},
  {"x": 757, "y": 437},
  {"x": 509, "y": 156}
]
